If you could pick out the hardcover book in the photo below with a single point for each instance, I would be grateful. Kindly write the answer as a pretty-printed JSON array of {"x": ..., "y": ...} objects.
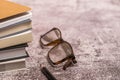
[
  {"x": 8, "y": 9},
  {"x": 13, "y": 53},
  {"x": 16, "y": 38},
  {"x": 12, "y": 65},
  {"x": 15, "y": 28},
  {"x": 15, "y": 19}
]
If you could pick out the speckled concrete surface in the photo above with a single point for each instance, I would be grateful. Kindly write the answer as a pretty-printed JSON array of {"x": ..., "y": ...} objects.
[{"x": 91, "y": 26}]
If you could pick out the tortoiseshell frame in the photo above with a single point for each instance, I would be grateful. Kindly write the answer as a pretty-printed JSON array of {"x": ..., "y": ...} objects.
[{"x": 70, "y": 59}]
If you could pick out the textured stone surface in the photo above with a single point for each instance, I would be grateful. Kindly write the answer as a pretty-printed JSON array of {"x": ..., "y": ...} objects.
[{"x": 91, "y": 26}]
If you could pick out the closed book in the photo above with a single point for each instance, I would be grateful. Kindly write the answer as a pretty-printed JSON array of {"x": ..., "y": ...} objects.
[
  {"x": 7, "y": 22},
  {"x": 13, "y": 53},
  {"x": 15, "y": 39},
  {"x": 8, "y": 9},
  {"x": 15, "y": 28},
  {"x": 12, "y": 65}
]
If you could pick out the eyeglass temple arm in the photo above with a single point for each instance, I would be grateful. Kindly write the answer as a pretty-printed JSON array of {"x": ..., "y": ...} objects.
[{"x": 69, "y": 63}]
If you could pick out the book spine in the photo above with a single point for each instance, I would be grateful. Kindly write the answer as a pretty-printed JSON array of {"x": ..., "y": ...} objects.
[
  {"x": 16, "y": 46},
  {"x": 16, "y": 39},
  {"x": 15, "y": 33},
  {"x": 15, "y": 20},
  {"x": 16, "y": 24}
]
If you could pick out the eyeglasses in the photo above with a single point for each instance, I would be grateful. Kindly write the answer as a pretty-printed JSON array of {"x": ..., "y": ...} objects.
[{"x": 61, "y": 52}]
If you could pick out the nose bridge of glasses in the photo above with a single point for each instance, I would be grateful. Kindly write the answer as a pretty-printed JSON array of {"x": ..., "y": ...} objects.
[{"x": 54, "y": 42}]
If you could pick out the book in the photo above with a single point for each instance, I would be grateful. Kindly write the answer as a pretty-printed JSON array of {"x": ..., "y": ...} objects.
[
  {"x": 18, "y": 23},
  {"x": 13, "y": 53},
  {"x": 16, "y": 38},
  {"x": 15, "y": 33},
  {"x": 15, "y": 19},
  {"x": 15, "y": 46},
  {"x": 12, "y": 65},
  {"x": 8, "y": 9},
  {"x": 15, "y": 28}
]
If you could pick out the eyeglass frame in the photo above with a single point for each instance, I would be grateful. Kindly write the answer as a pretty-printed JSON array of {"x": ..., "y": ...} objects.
[{"x": 70, "y": 59}]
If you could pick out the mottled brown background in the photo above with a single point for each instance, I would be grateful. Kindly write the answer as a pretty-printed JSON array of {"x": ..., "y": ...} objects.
[{"x": 91, "y": 26}]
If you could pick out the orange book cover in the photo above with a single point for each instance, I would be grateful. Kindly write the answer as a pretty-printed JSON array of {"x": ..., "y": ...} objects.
[{"x": 8, "y": 9}]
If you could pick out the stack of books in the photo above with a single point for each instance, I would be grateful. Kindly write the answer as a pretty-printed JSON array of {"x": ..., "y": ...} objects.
[{"x": 15, "y": 33}]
